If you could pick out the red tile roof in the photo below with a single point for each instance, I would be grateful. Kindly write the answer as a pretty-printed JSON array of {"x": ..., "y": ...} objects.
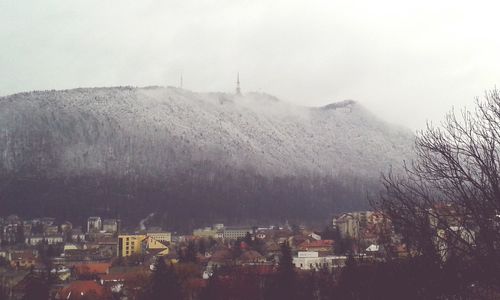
[
  {"x": 80, "y": 289},
  {"x": 88, "y": 269},
  {"x": 316, "y": 244}
]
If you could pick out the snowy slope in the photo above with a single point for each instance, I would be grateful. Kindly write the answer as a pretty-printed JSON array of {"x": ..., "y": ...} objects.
[{"x": 156, "y": 131}]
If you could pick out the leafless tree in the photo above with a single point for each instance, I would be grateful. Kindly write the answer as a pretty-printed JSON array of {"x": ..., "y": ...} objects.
[{"x": 447, "y": 200}]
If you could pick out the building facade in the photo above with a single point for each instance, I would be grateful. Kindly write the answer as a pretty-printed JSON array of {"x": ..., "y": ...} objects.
[
  {"x": 233, "y": 233},
  {"x": 94, "y": 224}
]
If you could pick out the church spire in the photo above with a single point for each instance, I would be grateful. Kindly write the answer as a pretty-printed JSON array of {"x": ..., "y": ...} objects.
[{"x": 238, "y": 90}]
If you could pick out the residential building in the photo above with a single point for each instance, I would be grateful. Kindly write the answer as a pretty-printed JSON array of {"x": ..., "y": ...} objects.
[
  {"x": 139, "y": 244},
  {"x": 233, "y": 233},
  {"x": 77, "y": 234},
  {"x": 111, "y": 225},
  {"x": 94, "y": 224},
  {"x": 161, "y": 236},
  {"x": 207, "y": 232},
  {"x": 51, "y": 230},
  {"x": 251, "y": 257},
  {"x": 312, "y": 261},
  {"x": 160, "y": 248},
  {"x": 130, "y": 244},
  {"x": 12, "y": 230},
  {"x": 22, "y": 259},
  {"x": 350, "y": 224},
  {"x": 50, "y": 240}
]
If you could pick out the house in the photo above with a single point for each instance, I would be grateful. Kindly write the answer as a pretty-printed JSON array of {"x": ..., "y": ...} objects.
[
  {"x": 312, "y": 261},
  {"x": 221, "y": 257},
  {"x": 272, "y": 249},
  {"x": 261, "y": 235},
  {"x": 22, "y": 259},
  {"x": 251, "y": 257},
  {"x": 315, "y": 236},
  {"x": 373, "y": 248}
]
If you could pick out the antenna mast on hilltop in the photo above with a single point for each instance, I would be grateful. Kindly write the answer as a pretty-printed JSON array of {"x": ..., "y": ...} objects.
[{"x": 238, "y": 90}]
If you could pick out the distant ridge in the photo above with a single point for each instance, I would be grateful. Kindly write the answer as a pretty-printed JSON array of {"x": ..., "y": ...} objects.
[{"x": 152, "y": 134}]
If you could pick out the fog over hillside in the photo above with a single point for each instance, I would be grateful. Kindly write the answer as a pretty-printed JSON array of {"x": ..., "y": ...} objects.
[{"x": 127, "y": 146}]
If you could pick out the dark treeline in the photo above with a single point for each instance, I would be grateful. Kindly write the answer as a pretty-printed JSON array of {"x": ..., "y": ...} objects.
[{"x": 185, "y": 199}]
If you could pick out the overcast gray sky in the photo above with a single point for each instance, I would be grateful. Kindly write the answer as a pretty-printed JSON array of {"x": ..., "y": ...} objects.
[{"x": 407, "y": 61}]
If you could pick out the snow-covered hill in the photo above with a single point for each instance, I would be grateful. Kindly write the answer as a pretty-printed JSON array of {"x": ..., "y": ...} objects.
[{"x": 156, "y": 131}]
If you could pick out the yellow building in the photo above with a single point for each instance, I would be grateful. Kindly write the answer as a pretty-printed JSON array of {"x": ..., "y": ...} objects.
[
  {"x": 154, "y": 244},
  {"x": 139, "y": 244},
  {"x": 130, "y": 244}
]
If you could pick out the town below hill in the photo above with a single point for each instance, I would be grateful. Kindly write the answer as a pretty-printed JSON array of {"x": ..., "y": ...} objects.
[{"x": 106, "y": 261}]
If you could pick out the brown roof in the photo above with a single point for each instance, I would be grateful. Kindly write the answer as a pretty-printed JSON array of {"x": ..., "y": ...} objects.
[
  {"x": 271, "y": 246},
  {"x": 250, "y": 256},
  {"x": 221, "y": 255}
]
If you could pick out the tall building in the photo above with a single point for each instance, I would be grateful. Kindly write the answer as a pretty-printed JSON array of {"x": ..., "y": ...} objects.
[
  {"x": 94, "y": 224},
  {"x": 130, "y": 244},
  {"x": 138, "y": 244}
]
